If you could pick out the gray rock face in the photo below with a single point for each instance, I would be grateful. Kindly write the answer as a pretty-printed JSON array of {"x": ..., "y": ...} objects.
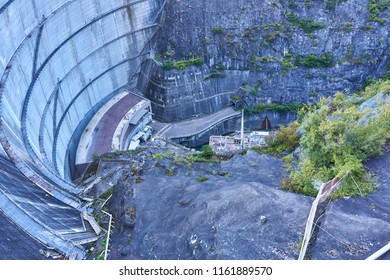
[
  {"x": 238, "y": 212},
  {"x": 260, "y": 43},
  {"x": 214, "y": 220},
  {"x": 235, "y": 210}
]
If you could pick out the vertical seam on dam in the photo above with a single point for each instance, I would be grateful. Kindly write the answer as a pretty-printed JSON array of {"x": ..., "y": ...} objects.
[{"x": 36, "y": 50}]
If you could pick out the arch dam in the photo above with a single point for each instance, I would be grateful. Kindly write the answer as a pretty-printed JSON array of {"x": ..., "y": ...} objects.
[{"x": 61, "y": 61}]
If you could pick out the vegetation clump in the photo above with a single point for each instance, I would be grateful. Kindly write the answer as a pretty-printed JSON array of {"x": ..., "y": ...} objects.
[
  {"x": 331, "y": 4},
  {"x": 308, "y": 25},
  {"x": 374, "y": 9},
  {"x": 337, "y": 137},
  {"x": 206, "y": 155},
  {"x": 202, "y": 179},
  {"x": 286, "y": 139},
  {"x": 214, "y": 74},
  {"x": 107, "y": 194},
  {"x": 315, "y": 61},
  {"x": 217, "y": 30},
  {"x": 273, "y": 107},
  {"x": 171, "y": 64},
  {"x": 163, "y": 155}
]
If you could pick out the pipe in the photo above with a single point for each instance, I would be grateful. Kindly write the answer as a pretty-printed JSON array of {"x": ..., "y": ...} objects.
[
  {"x": 109, "y": 228},
  {"x": 380, "y": 252}
]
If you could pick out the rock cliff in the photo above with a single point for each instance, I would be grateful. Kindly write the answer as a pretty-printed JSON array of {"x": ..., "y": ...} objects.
[{"x": 283, "y": 50}]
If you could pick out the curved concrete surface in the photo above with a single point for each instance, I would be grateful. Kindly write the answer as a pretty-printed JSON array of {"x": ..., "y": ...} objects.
[
  {"x": 16, "y": 244},
  {"x": 60, "y": 62}
]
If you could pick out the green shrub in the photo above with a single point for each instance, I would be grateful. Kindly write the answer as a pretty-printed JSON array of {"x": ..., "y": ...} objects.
[
  {"x": 330, "y": 4},
  {"x": 168, "y": 65},
  {"x": 307, "y": 25},
  {"x": 107, "y": 193},
  {"x": 207, "y": 152},
  {"x": 217, "y": 30},
  {"x": 202, "y": 179},
  {"x": 314, "y": 61},
  {"x": 182, "y": 64},
  {"x": 214, "y": 74},
  {"x": 286, "y": 139},
  {"x": 162, "y": 155},
  {"x": 170, "y": 171},
  {"x": 367, "y": 28},
  {"x": 274, "y": 107},
  {"x": 169, "y": 53},
  {"x": 206, "y": 155},
  {"x": 375, "y": 7},
  {"x": 373, "y": 87},
  {"x": 336, "y": 139}
]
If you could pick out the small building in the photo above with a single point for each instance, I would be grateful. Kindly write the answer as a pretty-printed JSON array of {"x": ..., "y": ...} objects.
[{"x": 229, "y": 145}]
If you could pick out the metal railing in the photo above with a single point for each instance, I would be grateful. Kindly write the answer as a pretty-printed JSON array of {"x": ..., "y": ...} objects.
[{"x": 109, "y": 228}]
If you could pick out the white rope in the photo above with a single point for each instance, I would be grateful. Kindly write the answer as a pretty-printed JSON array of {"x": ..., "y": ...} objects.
[
  {"x": 361, "y": 194},
  {"x": 339, "y": 240}
]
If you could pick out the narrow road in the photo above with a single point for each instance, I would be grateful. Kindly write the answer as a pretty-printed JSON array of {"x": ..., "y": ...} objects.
[{"x": 193, "y": 126}]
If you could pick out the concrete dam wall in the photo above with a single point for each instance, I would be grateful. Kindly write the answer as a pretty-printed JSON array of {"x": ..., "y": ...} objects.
[
  {"x": 189, "y": 93},
  {"x": 60, "y": 61}
]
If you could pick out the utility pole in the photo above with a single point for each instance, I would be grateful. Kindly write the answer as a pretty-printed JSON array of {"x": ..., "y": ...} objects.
[{"x": 242, "y": 128}]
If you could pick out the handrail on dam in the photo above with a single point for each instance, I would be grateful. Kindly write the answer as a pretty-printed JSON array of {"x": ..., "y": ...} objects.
[{"x": 109, "y": 228}]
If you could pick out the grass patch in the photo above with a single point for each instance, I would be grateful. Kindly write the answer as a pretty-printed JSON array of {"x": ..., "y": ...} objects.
[
  {"x": 138, "y": 180},
  {"x": 375, "y": 7},
  {"x": 170, "y": 171},
  {"x": 217, "y": 30},
  {"x": 171, "y": 64},
  {"x": 274, "y": 107},
  {"x": 308, "y": 25},
  {"x": 286, "y": 139},
  {"x": 107, "y": 193},
  {"x": 163, "y": 155},
  {"x": 214, "y": 74},
  {"x": 315, "y": 61},
  {"x": 206, "y": 155},
  {"x": 202, "y": 179}
]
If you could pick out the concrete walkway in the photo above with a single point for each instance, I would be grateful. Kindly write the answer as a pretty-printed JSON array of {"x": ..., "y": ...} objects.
[
  {"x": 193, "y": 126},
  {"x": 98, "y": 135}
]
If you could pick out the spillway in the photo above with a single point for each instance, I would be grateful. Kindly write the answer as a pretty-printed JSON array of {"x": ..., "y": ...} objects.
[{"x": 60, "y": 62}]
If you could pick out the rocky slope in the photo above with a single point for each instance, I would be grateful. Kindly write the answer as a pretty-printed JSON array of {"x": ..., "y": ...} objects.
[
  {"x": 167, "y": 208},
  {"x": 228, "y": 210}
]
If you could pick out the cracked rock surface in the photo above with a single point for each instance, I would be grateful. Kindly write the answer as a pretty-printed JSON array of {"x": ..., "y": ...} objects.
[{"x": 237, "y": 213}]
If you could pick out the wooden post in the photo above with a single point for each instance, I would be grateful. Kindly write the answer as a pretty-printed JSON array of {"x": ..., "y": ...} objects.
[{"x": 325, "y": 191}]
